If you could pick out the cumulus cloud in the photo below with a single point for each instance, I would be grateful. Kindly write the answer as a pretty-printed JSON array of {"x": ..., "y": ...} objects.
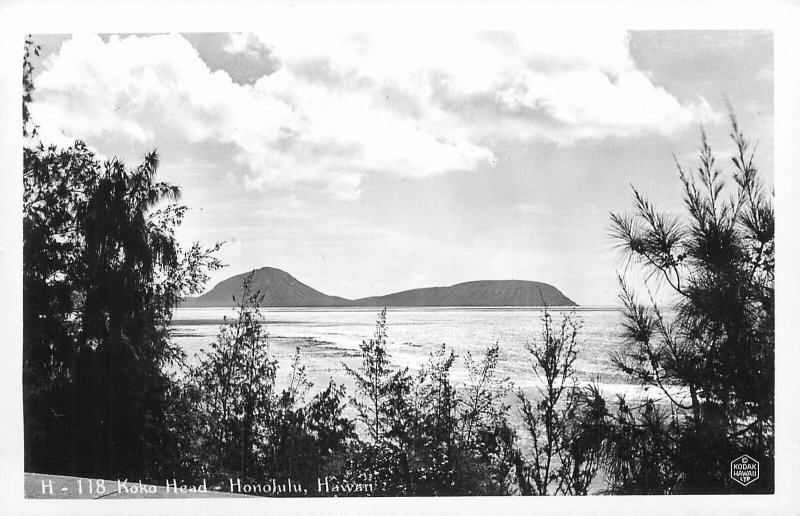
[
  {"x": 554, "y": 86},
  {"x": 340, "y": 107}
]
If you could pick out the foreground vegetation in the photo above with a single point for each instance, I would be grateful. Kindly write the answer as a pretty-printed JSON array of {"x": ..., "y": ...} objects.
[
  {"x": 719, "y": 264},
  {"x": 103, "y": 272}
]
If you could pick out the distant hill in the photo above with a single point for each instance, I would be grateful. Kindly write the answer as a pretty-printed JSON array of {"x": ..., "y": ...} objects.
[
  {"x": 476, "y": 293},
  {"x": 280, "y": 289}
]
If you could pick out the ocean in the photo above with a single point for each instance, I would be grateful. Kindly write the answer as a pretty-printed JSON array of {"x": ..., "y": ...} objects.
[{"x": 329, "y": 337}]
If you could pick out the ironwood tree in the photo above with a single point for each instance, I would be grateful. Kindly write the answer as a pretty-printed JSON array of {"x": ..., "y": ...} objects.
[
  {"x": 712, "y": 355},
  {"x": 102, "y": 271}
]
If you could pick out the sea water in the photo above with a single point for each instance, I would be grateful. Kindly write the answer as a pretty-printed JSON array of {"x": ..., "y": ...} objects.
[{"x": 329, "y": 338}]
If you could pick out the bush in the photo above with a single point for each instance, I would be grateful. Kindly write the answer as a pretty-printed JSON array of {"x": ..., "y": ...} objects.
[
  {"x": 244, "y": 428},
  {"x": 567, "y": 424},
  {"x": 236, "y": 381},
  {"x": 424, "y": 436}
]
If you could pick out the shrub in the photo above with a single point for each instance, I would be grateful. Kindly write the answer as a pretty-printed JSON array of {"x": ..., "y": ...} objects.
[{"x": 566, "y": 423}]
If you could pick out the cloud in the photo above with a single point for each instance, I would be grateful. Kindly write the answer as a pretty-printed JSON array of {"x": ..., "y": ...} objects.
[
  {"x": 341, "y": 107},
  {"x": 243, "y": 43},
  {"x": 552, "y": 86}
]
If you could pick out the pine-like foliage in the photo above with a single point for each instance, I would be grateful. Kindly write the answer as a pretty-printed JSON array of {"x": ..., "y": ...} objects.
[
  {"x": 236, "y": 377},
  {"x": 566, "y": 423},
  {"x": 102, "y": 273},
  {"x": 423, "y": 435},
  {"x": 711, "y": 356}
]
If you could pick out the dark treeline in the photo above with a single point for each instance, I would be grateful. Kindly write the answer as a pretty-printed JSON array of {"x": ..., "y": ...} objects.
[
  {"x": 102, "y": 273},
  {"x": 107, "y": 394}
]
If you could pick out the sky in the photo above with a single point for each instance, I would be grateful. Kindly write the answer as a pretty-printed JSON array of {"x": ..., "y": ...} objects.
[{"x": 369, "y": 163}]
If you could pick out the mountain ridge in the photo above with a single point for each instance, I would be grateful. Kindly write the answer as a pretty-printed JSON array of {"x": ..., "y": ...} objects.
[{"x": 281, "y": 289}]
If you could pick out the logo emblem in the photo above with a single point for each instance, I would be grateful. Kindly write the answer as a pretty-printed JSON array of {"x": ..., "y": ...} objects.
[{"x": 744, "y": 470}]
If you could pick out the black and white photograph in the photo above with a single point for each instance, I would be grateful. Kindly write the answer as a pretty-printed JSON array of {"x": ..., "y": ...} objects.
[{"x": 331, "y": 263}]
